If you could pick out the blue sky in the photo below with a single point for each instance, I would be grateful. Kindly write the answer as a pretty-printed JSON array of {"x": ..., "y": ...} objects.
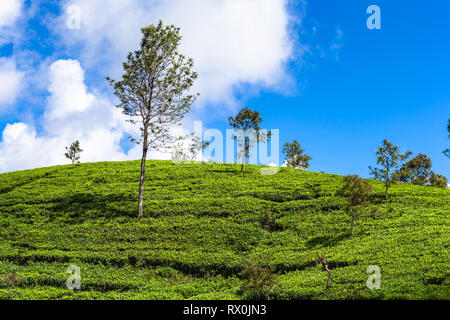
[
  {"x": 335, "y": 86},
  {"x": 391, "y": 83}
]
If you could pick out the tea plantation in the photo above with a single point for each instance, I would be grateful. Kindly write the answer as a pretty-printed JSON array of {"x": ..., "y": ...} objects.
[{"x": 203, "y": 224}]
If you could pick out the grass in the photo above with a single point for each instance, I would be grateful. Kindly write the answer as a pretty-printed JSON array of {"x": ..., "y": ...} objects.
[{"x": 203, "y": 223}]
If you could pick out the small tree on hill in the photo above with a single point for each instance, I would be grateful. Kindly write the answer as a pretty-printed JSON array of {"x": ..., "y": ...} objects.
[
  {"x": 294, "y": 155},
  {"x": 438, "y": 181},
  {"x": 196, "y": 146},
  {"x": 153, "y": 90},
  {"x": 11, "y": 280},
  {"x": 357, "y": 191},
  {"x": 189, "y": 152},
  {"x": 447, "y": 151},
  {"x": 416, "y": 171},
  {"x": 259, "y": 283},
  {"x": 389, "y": 158},
  {"x": 247, "y": 132},
  {"x": 73, "y": 152},
  {"x": 179, "y": 151}
]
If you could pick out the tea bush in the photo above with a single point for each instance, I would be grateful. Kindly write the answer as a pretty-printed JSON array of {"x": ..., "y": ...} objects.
[{"x": 203, "y": 222}]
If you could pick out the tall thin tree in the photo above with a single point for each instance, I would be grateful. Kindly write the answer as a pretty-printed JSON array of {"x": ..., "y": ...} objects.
[{"x": 155, "y": 90}]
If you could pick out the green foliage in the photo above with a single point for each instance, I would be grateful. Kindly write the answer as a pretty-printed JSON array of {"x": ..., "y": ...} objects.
[
  {"x": 203, "y": 222},
  {"x": 437, "y": 180},
  {"x": 294, "y": 155},
  {"x": 389, "y": 158},
  {"x": 73, "y": 152},
  {"x": 247, "y": 132},
  {"x": 418, "y": 171},
  {"x": 358, "y": 192},
  {"x": 259, "y": 283}
]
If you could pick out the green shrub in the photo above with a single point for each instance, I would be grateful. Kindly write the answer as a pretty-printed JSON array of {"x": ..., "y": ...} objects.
[{"x": 259, "y": 283}]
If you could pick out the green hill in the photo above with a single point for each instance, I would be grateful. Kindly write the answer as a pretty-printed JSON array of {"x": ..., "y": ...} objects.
[{"x": 204, "y": 223}]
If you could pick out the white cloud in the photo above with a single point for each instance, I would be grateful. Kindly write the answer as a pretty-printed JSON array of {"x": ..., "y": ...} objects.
[
  {"x": 72, "y": 113},
  {"x": 9, "y": 12},
  {"x": 233, "y": 42},
  {"x": 22, "y": 149},
  {"x": 68, "y": 91},
  {"x": 10, "y": 82}
]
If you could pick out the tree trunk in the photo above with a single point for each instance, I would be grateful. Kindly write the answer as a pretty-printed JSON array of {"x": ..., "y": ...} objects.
[
  {"x": 141, "y": 180},
  {"x": 329, "y": 277},
  {"x": 242, "y": 167}
]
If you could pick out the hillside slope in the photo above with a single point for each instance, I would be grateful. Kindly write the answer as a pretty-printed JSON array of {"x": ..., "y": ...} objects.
[{"x": 203, "y": 223}]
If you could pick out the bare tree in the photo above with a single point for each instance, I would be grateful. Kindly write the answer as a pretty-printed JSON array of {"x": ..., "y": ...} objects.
[{"x": 322, "y": 259}]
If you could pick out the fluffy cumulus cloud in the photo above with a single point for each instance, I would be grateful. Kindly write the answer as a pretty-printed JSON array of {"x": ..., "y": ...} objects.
[
  {"x": 72, "y": 113},
  {"x": 68, "y": 92},
  {"x": 233, "y": 42},
  {"x": 10, "y": 82},
  {"x": 22, "y": 149},
  {"x": 9, "y": 11}
]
